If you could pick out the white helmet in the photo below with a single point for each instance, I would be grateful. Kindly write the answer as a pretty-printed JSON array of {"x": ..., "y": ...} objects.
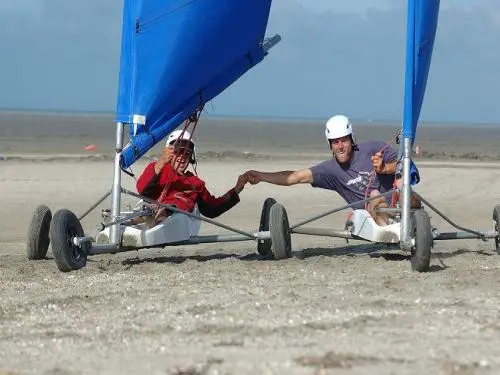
[
  {"x": 337, "y": 127},
  {"x": 183, "y": 135}
]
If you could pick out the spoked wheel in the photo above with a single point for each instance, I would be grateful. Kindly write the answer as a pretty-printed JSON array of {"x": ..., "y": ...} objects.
[
  {"x": 38, "y": 234},
  {"x": 280, "y": 232},
  {"x": 66, "y": 226},
  {"x": 496, "y": 219},
  {"x": 422, "y": 233},
  {"x": 264, "y": 246}
]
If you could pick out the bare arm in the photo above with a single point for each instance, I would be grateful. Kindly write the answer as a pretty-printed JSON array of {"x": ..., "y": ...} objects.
[{"x": 284, "y": 178}]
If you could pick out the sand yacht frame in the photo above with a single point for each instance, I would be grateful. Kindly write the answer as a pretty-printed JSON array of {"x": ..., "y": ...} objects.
[{"x": 152, "y": 111}]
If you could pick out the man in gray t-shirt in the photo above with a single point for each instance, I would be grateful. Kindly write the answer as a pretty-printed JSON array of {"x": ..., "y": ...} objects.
[
  {"x": 354, "y": 180},
  {"x": 356, "y": 171}
]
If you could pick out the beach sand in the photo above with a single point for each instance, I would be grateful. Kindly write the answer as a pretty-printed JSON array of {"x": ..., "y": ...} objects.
[
  {"x": 221, "y": 309},
  {"x": 357, "y": 310}
]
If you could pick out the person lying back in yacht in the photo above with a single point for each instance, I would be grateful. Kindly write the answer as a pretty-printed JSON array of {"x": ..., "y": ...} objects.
[{"x": 168, "y": 181}]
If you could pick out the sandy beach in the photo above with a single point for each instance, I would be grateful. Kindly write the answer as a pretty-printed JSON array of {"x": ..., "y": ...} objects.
[
  {"x": 93, "y": 89},
  {"x": 221, "y": 309}
]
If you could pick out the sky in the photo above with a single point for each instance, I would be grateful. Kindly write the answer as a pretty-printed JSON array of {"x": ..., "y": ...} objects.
[{"x": 336, "y": 56}]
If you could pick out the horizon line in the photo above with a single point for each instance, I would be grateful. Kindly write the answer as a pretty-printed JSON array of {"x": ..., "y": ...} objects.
[{"x": 242, "y": 116}]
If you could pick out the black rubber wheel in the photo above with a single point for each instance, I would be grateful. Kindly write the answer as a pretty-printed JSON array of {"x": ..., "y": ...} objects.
[
  {"x": 38, "y": 234},
  {"x": 65, "y": 226},
  {"x": 422, "y": 233},
  {"x": 264, "y": 246},
  {"x": 280, "y": 232},
  {"x": 496, "y": 218}
]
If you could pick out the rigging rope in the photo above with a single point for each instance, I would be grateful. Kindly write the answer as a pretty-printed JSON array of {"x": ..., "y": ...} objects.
[
  {"x": 373, "y": 174},
  {"x": 193, "y": 119}
]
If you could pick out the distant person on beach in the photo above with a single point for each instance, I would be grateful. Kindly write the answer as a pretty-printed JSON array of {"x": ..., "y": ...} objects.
[
  {"x": 356, "y": 171},
  {"x": 168, "y": 182}
]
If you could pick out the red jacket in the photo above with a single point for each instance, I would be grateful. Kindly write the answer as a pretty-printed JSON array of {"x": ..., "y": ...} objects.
[{"x": 184, "y": 191}]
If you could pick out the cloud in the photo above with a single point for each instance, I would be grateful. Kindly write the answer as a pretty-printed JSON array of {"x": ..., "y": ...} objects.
[
  {"x": 336, "y": 56},
  {"x": 362, "y": 6},
  {"x": 345, "y": 6},
  {"x": 62, "y": 54},
  {"x": 26, "y": 7},
  {"x": 353, "y": 62}
]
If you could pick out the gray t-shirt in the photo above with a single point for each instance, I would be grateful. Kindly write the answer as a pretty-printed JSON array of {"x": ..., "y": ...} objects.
[{"x": 352, "y": 180}]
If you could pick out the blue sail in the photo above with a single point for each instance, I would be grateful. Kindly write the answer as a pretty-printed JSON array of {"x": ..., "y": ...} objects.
[
  {"x": 179, "y": 54},
  {"x": 421, "y": 32}
]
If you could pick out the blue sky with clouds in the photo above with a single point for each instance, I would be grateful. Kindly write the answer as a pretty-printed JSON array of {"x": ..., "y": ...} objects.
[{"x": 336, "y": 56}]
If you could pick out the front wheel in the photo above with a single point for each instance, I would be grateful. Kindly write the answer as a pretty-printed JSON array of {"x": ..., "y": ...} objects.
[
  {"x": 66, "y": 226},
  {"x": 422, "y": 234}
]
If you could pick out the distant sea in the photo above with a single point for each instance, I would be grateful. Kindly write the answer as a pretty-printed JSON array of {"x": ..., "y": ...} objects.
[{"x": 35, "y": 134}]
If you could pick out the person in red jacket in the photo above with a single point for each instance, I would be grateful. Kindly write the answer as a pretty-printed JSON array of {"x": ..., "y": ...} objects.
[{"x": 168, "y": 182}]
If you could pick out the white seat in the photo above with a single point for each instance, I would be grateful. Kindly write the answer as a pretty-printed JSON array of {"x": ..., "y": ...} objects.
[
  {"x": 174, "y": 228},
  {"x": 364, "y": 226}
]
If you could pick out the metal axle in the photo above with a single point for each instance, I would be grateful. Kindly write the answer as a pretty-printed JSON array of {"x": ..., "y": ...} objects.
[
  {"x": 324, "y": 232},
  {"x": 465, "y": 235},
  {"x": 195, "y": 240}
]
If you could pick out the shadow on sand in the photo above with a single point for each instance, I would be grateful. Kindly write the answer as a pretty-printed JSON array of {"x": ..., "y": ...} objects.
[
  {"x": 388, "y": 252},
  {"x": 178, "y": 259}
]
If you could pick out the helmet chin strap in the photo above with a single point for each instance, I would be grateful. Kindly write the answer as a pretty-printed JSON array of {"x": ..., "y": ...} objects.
[
  {"x": 195, "y": 164},
  {"x": 354, "y": 144}
]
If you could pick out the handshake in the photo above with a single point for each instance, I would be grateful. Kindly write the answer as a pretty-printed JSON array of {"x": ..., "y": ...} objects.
[{"x": 252, "y": 177}]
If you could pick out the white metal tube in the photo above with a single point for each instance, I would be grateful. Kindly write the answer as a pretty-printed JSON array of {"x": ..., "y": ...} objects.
[
  {"x": 405, "y": 196},
  {"x": 271, "y": 42},
  {"x": 116, "y": 190}
]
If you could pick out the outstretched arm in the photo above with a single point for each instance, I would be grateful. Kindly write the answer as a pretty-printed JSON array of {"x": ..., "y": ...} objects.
[{"x": 284, "y": 178}]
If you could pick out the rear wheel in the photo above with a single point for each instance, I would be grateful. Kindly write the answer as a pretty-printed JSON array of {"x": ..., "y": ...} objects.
[
  {"x": 264, "y": 246},
  {"x": 66, "y": 226},
  {"x": 496, "y": 219},
  {"x": 422, "y": 233},
  {"x": 280, "y": 232},
  {"x": 38, "y": 234}
]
